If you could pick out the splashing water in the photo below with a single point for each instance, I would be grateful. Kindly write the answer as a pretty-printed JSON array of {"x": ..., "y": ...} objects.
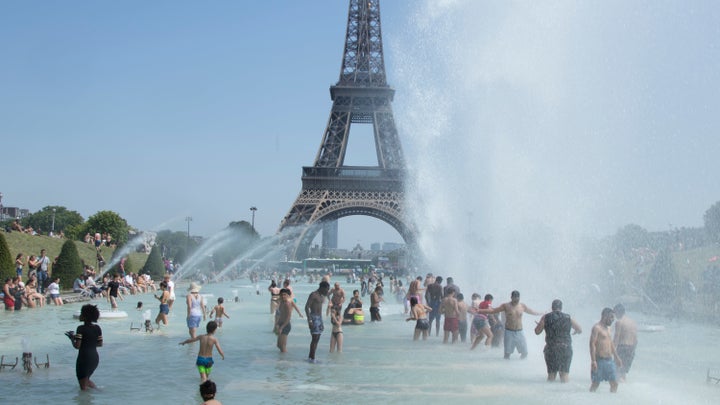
[{"x": 130, "y": 246}]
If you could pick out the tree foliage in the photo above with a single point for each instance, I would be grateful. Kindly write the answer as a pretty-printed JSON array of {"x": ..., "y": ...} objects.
[
  {"x": 7, "y": 262},
  {"x": 663, "y": 282},
  {"x": 174, "y": 245},
  {"x": 240, "y": 238},
  {"x": 711, "y": 219},
  {"x": 43, "y": 219},
  {"x": 68, "y": 265},
  {"x": 630, "y": 237},
  {"x": 107, "y": 222},
  {"x": 154, "y": 265}
]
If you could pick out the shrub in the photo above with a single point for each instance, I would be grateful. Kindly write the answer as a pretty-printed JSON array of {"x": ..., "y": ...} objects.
[
  {"x": 7, "y": 262},
  {"x": 154, "y": 265},
  {"x": 68, "y": 265}
]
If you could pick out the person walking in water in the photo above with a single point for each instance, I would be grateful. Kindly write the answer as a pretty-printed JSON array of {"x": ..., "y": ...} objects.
[
  {"x": 514, "y": 337},
  {"x": 164, "y": 307},
  {"x": 313, "y": 310},
  {"x": 418, "y": 313},
  {"x": 219, "y": 311},
  {"x": 558, "y": 342},
  {"x": 282, "y": 320},
  {"x": 625, "y": 340},
  {"x": 434, "y": 296},
  {"x": 602, "y": 352},
  {"x": 87, "y": 338},
  {"x": 204, "y": 360},
  {"x": 451, "y": 312},
  {"x": 195, "y": 309}
]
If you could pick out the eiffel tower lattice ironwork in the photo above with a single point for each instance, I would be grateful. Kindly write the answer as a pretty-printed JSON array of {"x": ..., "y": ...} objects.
[{"x": 331, "y": 190}]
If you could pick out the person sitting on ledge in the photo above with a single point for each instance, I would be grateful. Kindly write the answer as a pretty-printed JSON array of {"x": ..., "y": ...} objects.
[{"x": 354, "y": 313}]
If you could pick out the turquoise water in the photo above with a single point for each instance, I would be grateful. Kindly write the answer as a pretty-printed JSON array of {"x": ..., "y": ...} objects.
[{"x": 380, "y": 363}]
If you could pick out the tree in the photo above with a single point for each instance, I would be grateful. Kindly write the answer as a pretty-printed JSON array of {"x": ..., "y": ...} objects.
[
  {"x": 663, "y": 281},
  {"x": 154, "y": 265},
  {"x": 53, "y": 217},
  {"x": 711, "y": 219},
  {"x": 174, "y": 245},
  {"x": 239, "y": 238},
  {"x": 108, "y": 222},
  {"x": 7, "y": 262},
  {"x": 630, "y": 237},
  {"x": 68, "y": 265}
]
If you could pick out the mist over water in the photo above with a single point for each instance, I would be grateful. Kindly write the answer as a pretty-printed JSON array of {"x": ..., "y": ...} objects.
[
  {"x": 533, "y": 128},
  {"x": 488, "y": 150}
]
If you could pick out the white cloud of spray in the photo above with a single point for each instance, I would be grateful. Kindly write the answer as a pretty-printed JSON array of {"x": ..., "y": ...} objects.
[{"x": 528, "y": 125}]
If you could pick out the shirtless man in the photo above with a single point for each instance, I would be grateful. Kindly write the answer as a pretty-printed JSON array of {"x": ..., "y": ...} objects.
[
  {"x": 375, "y": 299},
  {"x": 625, "y": 340},
  {"x": 602, "y": 352},
  {"x": 313, "y": 310},
  {"x": 514, "y": 337},
  {"x": 282, "y": 323},
  {"x": 337, "y": 299},
  {"x": 462, "y": 318},
  {"x": 449, "y": 308}
]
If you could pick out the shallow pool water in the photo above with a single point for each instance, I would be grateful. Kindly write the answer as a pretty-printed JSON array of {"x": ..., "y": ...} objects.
[{"x": 380, "y": 363}]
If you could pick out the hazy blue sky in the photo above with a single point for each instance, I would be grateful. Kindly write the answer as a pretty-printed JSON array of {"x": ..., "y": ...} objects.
[{"x": 589, "y": 115}]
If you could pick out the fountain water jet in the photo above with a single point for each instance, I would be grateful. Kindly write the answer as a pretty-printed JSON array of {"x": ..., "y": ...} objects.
[{"x": 130, "y": 246}]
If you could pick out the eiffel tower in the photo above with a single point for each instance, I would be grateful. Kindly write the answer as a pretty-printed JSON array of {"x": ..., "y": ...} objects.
[{"x": 331, "y": 190}]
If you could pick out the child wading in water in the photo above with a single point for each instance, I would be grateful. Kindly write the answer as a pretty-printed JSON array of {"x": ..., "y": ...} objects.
[
  {"x": 87, "y": 339},
  {"x": 207, "y": 392},
  {"x": 219, "y": 312},
  {"x": 336, "y": 337},
  {"x": 204, "y": 361}
]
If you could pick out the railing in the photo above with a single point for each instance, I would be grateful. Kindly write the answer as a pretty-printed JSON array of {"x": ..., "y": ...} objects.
[{"x": 351, "y": 172}]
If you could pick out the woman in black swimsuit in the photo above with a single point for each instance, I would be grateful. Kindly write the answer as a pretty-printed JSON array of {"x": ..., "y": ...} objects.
[{"x": 87, "y": 339}]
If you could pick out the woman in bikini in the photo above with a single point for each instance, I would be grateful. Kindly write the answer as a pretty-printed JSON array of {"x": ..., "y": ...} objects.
[{"x": 418, "y": 313}]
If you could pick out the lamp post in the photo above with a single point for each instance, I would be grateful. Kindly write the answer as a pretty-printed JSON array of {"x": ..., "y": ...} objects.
[
  {"x": 252, "y": 224},
  {"x": 52, "y": 227},
  {"x": 188, "y": 220}
]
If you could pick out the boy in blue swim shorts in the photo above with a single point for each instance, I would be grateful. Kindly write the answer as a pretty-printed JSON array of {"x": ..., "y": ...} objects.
[{"x": 204, "y": 360}]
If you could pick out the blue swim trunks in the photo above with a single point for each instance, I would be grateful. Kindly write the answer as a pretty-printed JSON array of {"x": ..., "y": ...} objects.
[
  {"x": 605, "y": 370},
  {"x": 204, "y": 364},
  {"x": 317, "y": 324},
  {"x": 164, "y": 309}
]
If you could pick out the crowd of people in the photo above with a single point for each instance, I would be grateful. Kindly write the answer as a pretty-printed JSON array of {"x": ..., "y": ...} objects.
[
  {"x": 37, "y": 287},
  {"x": 432, "y": 300}
]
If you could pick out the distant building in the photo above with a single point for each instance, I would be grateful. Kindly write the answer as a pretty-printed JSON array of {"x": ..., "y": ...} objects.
[
  {"x": 391, "y": 246},
  {"x": 375, "y": 247},
  {"x": 15, "y": 212}
]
